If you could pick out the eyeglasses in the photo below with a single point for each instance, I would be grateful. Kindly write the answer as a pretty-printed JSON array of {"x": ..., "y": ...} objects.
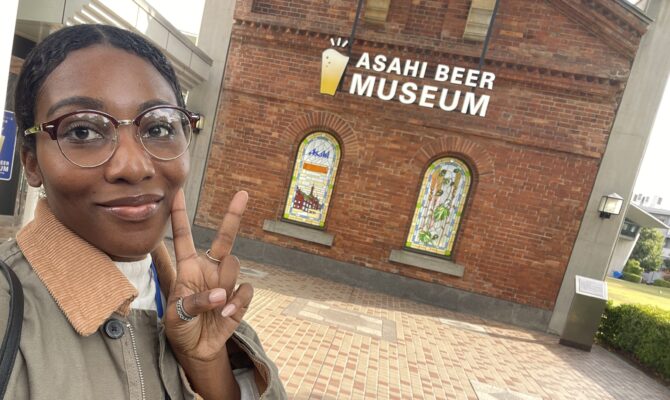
[{"x": 89, "y": 138}]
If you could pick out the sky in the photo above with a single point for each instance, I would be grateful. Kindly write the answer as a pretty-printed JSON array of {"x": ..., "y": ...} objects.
[
  {"x": 184, "y": 15},
  {"x": 654, "y": 177}
]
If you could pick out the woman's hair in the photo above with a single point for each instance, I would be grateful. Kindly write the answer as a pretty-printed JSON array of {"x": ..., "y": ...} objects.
[{"x": 49, "y": 53}]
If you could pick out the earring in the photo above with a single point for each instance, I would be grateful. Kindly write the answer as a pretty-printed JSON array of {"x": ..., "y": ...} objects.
[{"x": 42, "y": 194}]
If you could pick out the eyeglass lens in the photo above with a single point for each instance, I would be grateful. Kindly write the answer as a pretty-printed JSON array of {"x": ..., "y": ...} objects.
[{"x": 89, "y": 139}]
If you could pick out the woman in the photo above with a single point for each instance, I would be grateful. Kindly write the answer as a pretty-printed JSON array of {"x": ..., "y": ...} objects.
[{"x": 106, "y": 135}]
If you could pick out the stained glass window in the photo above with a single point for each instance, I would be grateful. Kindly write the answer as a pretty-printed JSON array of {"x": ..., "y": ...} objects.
[
  {"x": 438, "y": 210},
  {"x": 313, "y": 179}
]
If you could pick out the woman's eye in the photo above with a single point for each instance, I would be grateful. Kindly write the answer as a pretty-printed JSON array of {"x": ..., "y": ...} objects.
[
  {"x": 81, "y": 134},
  {"x": 159, "y": 131}
]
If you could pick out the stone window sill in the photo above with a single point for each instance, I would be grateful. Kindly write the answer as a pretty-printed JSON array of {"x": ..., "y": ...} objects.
[
  {"x": 426, "y": 262},
  {"x": 298, "y": 232}
]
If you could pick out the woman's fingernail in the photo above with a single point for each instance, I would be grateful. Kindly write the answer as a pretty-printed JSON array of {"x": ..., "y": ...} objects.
[
  {"x": 217, "y": 295},
  {"x": 228, "y": 310}
]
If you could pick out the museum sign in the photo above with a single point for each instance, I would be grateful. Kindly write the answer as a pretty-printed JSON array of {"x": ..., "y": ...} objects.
[{"x": 392, "y": 78}]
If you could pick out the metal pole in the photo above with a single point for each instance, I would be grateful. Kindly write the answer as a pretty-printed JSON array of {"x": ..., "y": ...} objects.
[
  {"x": 485, "y": 48},
  {"x": 351, "y": 41},
  {"x": 353, "y": 29}
]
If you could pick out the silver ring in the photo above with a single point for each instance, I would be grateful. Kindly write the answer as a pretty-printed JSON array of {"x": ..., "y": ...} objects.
[
  {"x": 183, "y": 315},
  {"x": 212, "y": 259}
]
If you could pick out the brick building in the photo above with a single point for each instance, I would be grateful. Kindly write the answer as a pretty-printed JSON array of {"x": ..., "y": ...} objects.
[{"x": 477, "y": 206}]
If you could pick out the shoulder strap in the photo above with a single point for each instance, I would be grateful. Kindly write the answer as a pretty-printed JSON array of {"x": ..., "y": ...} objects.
[{"x": 10, "y": 343}]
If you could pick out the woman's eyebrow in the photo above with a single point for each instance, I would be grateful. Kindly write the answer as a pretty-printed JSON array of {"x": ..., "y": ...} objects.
[
  {"x": 81, "y": 101},
  {"x": 152, "y": 103}
]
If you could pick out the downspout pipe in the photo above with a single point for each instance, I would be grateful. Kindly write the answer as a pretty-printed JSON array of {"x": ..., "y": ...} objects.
[
  {"x": 487, "y": 39},
  {"x": 359, "y": 7}
]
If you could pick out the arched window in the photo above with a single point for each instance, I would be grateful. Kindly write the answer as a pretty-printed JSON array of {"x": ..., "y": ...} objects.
[
  {"x": 444, "y": 191},
  {"x": 312, "y": 180}
]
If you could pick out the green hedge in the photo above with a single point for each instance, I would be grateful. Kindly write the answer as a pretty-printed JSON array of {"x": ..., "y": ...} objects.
[
  {"x": 662, "y": 283},
  {"x": 627, "y": 276},
  {"x": 642, "y": 331},
  {"x": 633, "y": 267}
]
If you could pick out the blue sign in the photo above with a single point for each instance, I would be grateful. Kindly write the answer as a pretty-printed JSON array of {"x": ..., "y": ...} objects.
[
  {"x": 321, "y": 154},
  {"x": 7, "y": 146}
]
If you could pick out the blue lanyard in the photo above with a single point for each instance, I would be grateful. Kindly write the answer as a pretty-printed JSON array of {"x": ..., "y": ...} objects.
[{"x": 159, "y": 301}]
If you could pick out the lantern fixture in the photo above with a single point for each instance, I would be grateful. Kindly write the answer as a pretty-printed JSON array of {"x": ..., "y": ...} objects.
[
  {"x": 200, "y": 125},
  {"x": 610, "y": 205}
]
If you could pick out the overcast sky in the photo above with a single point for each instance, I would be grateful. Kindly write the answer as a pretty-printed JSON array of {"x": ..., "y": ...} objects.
[
  {"x": 184, "y": 15},
  {"x": 654, "y": 176}
]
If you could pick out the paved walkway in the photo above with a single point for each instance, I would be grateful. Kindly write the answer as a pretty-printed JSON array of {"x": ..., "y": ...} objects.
[{"x": 332, "y": 341}]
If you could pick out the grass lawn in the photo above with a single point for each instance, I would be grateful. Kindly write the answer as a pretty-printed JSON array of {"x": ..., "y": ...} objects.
[{"x": 624, "y": 292}]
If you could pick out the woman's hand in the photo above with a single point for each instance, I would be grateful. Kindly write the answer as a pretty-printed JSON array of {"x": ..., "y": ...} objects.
[{"x": 207, "y": 289}]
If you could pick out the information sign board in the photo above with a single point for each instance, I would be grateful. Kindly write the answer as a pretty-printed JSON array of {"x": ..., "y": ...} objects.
[
  {"x": 591, "y": 287},
  {"x": 7, "y": 146}
]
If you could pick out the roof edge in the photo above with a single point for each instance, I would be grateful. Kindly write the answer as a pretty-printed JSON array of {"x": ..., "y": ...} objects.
[
  {"x": 641, "y": 217},
  {"x": 635, "y": 11}
]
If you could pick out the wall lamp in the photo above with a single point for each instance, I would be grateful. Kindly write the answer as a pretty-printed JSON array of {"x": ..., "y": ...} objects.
[
  {"x": 200, "y": 125},
  {"x": 610, "y": 205}
]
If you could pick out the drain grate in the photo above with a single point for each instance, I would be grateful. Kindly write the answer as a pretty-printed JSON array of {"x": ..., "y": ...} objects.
[
  {"x": 467, "y": 326},
  {"x": 253, "y": 272},
  {"x": 322, "y": 313}
]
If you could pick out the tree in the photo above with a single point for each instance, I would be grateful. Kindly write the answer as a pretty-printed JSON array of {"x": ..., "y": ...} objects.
[{"x": 649, "y": 249}]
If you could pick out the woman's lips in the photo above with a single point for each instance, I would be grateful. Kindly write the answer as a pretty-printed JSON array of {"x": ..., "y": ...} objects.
[
  {"x": 133, "y": 213},
  {"x": 133, "y": 208}
]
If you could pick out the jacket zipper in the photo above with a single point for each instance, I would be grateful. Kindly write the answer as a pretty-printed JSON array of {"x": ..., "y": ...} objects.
[
  {"x": 137, "y": 360},
  {"x": 257, "y": 361}
]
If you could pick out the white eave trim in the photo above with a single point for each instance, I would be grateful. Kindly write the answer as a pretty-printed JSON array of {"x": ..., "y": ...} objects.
[
  {"x": 643, "y": 218},
  {"x": 191, "y": 64}
]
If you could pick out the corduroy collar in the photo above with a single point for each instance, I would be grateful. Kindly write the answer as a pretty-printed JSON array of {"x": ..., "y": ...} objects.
[{"x": 83, "y": 280}]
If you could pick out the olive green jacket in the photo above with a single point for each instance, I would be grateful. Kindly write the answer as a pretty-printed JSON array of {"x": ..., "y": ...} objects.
[{"x": 81, "y": 340}]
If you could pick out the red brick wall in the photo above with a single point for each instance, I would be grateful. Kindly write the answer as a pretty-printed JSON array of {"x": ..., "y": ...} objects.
[
  {"x": 424, "y": 17},
  {"x": 535, "y": 155}
]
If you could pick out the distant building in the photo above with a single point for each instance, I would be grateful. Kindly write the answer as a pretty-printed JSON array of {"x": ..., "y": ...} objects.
[
  {"x": 636, "y": 219},
  {"x": 644, "y": 200},
  {"x": 663, "y": 216}
]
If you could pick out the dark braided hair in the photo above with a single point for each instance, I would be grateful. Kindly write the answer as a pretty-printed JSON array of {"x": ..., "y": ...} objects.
[{"x": 49, "y": 53}]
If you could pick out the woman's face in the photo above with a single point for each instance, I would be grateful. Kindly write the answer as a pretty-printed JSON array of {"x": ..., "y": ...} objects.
[{"x": 121, "y": 206}]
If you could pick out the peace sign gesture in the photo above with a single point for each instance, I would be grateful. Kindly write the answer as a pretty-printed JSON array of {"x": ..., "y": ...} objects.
[{"x": 206, "y": 288}]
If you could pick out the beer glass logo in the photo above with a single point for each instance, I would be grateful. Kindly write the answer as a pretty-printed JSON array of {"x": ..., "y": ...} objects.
[{"x": 333, "y": 64}]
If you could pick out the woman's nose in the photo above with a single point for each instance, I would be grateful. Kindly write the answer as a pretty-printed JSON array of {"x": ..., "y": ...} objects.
[{"x": 130, "y": 162}]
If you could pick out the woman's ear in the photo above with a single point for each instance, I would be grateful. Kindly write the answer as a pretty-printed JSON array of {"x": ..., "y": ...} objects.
[{"x": 31, "y": 167}]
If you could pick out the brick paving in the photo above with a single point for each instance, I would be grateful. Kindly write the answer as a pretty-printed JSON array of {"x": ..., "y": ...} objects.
[
  {"x": 333, "y": 341},
  {"x": 432, "y": 353}
]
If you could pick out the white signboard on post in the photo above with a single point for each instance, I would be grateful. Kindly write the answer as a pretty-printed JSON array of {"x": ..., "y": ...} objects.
[{"x": 591, "y": 287}]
